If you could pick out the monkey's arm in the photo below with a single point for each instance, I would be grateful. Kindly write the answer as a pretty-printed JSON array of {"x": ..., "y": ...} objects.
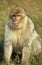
[
  {"x": 6, "y": 33},
  {"x": 26, "y": 55},
  {"x": 7, "y": 45}
]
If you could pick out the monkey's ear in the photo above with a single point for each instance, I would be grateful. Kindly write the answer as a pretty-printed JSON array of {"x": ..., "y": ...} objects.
[
  {"x": 10, "y": 14},
  {"x": 28, "y": 15}
]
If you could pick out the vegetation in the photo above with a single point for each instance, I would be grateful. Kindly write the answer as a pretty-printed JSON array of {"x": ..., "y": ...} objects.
[{"x": 34, "y": 10}]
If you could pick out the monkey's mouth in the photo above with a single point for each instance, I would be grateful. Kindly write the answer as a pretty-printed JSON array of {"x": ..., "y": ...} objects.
[{"x": 16, "y": 24}]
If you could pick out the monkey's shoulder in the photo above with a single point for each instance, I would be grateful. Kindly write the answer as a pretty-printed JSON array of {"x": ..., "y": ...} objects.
[{"x": 30, "y": 23}]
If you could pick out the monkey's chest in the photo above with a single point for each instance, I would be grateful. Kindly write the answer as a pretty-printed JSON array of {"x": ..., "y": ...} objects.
[{"x": 16, "y": 39}]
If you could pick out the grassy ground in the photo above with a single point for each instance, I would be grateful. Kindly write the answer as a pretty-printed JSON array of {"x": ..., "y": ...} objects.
[{"x": 33, "y": 9}]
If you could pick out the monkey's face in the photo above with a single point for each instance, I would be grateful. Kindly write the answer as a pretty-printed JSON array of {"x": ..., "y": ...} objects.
[{"x": 16, "y": 18}]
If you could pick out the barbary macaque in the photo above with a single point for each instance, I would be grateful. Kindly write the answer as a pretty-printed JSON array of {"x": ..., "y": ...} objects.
[{"x": 20, "y": 36}]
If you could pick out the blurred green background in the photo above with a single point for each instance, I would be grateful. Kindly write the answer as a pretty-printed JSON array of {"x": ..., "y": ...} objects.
[{"x": 34, "y": 10}]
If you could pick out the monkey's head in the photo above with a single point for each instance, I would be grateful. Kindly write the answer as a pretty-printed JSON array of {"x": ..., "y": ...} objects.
[{"x": 17, "y": 16}]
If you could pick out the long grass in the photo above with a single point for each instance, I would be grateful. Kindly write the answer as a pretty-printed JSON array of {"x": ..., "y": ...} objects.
[{"x": 34, "y": 10}]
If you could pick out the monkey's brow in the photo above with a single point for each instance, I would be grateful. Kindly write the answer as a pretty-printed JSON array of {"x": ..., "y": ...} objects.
[{"x": 16, "y": 15}]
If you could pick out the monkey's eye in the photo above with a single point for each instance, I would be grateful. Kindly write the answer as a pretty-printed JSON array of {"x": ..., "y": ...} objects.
[
  {"x": 19, "y": 15},
  {"x": 13, "y": 15},
  {"x": 16, "y": 15}
]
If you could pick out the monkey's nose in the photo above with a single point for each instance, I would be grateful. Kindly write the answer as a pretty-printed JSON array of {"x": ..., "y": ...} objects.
[{"x": 16, "y": 20}]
